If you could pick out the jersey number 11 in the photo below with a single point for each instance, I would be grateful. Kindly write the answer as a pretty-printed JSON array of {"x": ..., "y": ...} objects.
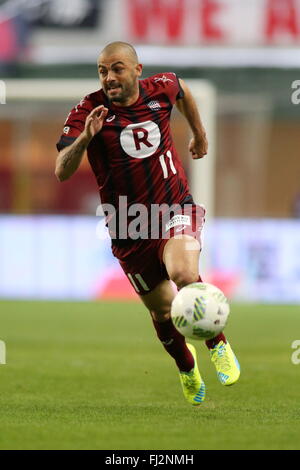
[{"x": 164, "y": 165}]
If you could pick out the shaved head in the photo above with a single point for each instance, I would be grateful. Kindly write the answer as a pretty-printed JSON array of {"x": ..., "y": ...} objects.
[
  {"x": 119, "y": 71},
  {"x": 120, "y": 47}
]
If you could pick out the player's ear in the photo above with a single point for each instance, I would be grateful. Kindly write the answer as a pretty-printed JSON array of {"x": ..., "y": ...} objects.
[{"x": 139, "y": 69}]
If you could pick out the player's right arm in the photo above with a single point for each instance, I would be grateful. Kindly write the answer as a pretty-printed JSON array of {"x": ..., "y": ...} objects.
[{"x": 69, "y": 158}]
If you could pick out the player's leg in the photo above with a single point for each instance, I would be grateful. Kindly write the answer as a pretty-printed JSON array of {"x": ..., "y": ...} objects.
[
  {"x": 147, "y": 274},
  {"x": 181, "y": 258},
  {"x": 148, "y": 277},
  {"x": 158, "y": 302}
]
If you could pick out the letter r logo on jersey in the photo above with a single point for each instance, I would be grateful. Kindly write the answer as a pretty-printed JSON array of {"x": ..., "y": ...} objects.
[
  {"x": 140, "y": 136},
  {"x": 140, "y": 140}
]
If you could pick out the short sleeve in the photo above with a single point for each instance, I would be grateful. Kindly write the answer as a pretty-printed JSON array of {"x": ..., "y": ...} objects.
[
  {"x": 171, "y": 86},
  {"x": 74, "y": 124}
]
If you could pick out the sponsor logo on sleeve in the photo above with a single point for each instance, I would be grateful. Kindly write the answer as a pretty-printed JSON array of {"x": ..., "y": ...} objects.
[{"x": 163, "y": 79}]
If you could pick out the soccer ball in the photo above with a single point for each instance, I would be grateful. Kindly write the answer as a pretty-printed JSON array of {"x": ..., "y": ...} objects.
[{"x": 200, "y": 311}]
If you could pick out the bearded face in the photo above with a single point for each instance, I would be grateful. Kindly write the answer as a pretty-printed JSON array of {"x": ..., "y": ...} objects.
[{"x": 119, "y": 77}]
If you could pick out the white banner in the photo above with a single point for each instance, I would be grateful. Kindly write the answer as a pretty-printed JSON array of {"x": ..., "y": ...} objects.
[
  {"x": 193, "y": 22},
  {"x": 217, "y": 33},
  {"x": 215, "y": 22}
]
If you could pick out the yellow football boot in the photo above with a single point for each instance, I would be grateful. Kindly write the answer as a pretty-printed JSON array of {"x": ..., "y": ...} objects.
[
  {"x": 192, "y": 383},
  {"x": 226, "y": 364}
]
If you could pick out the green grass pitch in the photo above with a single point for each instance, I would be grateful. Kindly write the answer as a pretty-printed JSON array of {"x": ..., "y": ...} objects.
[{"x": 94, "y": 376}]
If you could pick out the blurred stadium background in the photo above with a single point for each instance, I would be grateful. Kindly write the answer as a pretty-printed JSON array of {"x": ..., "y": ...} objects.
[{"x": 245, "y": 54}]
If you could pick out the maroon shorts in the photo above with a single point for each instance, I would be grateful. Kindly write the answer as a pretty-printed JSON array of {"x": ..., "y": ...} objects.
[{"x": 142, "y": 260}]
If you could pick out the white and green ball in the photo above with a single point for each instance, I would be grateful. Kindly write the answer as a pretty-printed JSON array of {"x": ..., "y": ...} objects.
[{"x": 200, "y": 311}]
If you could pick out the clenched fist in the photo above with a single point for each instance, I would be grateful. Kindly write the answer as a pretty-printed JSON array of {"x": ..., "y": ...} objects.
[{"x": 198, "y": 147}]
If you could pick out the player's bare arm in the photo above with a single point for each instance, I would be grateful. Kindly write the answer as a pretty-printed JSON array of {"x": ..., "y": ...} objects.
[
  {"x": 187, "y": 106},
  {"x": 69, "y": 158}
]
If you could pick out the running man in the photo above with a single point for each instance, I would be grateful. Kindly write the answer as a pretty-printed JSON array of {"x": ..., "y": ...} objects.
[{"x": 125, "y": 129}]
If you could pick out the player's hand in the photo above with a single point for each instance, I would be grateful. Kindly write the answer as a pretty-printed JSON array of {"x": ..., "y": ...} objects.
[
  {"x": 198, "y": 147},
  {"x": 94, "y": 121}
]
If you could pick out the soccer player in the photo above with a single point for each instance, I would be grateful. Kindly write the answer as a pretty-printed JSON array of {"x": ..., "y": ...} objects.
[{"x": 125, "y": 128}]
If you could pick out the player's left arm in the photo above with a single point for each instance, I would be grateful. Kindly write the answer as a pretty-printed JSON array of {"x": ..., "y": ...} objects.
[{"x": 188, "y": 107}]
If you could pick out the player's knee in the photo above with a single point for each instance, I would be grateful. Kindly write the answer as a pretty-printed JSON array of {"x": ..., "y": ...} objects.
[{"x": 183, "y": 277}]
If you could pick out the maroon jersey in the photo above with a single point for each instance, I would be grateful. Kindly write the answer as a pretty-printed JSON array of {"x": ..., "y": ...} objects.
[{"x": 133, "y": 155}]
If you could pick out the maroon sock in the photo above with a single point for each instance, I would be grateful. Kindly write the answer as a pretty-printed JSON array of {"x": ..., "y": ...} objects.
[
  {"x": 210, "y": 343},
  {"x": 174, "y": 343}
]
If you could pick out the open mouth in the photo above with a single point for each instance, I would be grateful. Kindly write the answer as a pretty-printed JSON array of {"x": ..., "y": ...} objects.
[{"x": 114, "y": 88}]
